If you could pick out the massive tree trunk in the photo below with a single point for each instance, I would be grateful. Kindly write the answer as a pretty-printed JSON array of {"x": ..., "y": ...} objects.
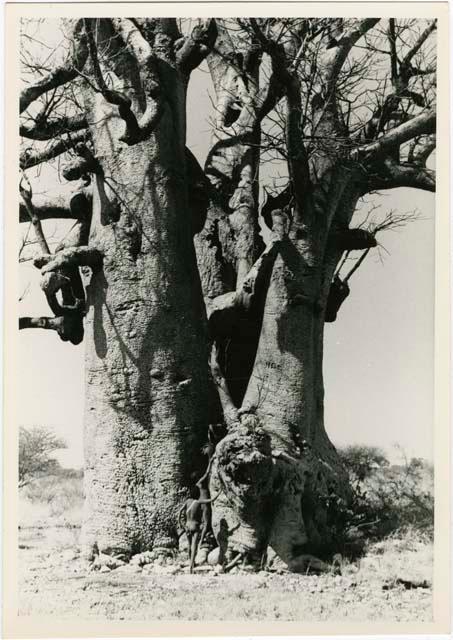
[
  {"x": 230, "y": 241},
  {"x": 146, "y": 354},
  {"x": 277, "y": 471},
  {"x": 282, "y": 483},
  {"x": 149, "y": 398}
]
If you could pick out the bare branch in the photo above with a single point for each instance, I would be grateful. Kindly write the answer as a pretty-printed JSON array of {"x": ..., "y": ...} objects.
[
  {"x": 47, "y": 208},
  {"x": 71, "y": 257},
  {"x": 196, "y": 46},
  {"x": 39, "y": 323},
  {"x": 77, "y": 206},
  {"x": 352, "y": 239},
  {"x": 425, "y": 123},
  {"x": 62, "y": 74},
  {"x": 113, "y": 97},
  {"x": 393, "y": 55},
  {"x": 391, "y": 108},
  {"x": 418, "y": 44},
  {"x": 266, "y": 44},
  {"x": 30, "y": 158},
  {"x": 27, "y": 193},
  {"x": 391, "y": 175},
  {"x": 220, "y": 308},
  {"x": 422, "y": 151},
  {"x": 155, "y": 103},
  {"x": 84, "y": 164},
  {"x": 345, "y": 44},
  {"x": 48, "y": 129},
  {"x": 136, "y": 130},
  {"x": 133, "y": 39},
  {"x": 297, "y": 156},
  {"x": 356, "y": 265},
  {"x": 230, "y": 411}
]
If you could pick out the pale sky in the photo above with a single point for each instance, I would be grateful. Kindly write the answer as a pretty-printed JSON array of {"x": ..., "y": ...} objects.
[{"x": 379, "y": 354}]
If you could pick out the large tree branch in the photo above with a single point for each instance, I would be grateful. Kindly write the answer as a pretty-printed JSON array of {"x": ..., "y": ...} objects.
[
  {"x": 230, "y": 411},
  {"x": 393, "y": 54},
  {"x": 420, "y": 152},
  {"x": 136, "y": 44},
  {"x": 139, "y": 47},
  {"x": 297, "y": 156},
  {"x": 390, "y": 175},
  {"x": 49, "y": 129},
  {"x": 225, "y": 312},
  {"x": 299, "y": 171},
  {"x": 60, "y": 273},
  {"x": 113, "y": 97},
  {"x": 30, "y": 157},
  {"x": 47, "y": 209},
  {"x": 223, "y": 309},
  {"x": 343, "y": 48},
  {"x": 26, "y": 193},
  {"x": 136, "y": 130},
  {"x": 424, "y": 123},
  {"x": 252, "y": 284},
  {"x": 254, "y": 105},
  {"x": 40, "y": 323},
  {"x": 62, "y": 74},
  {"x": 76, "y": 207},
  {"x": 196, "y": 46},
  {"x": 63, "y": 275},
  {"x": 400, "y": 74},
  {"x": 70, "y": 257},
  {"x": 84, "y": 164},
  {"x": 265, "y": 43},
  {"x": 418, "y": 44},
  {"x": 69, "y": 326}
]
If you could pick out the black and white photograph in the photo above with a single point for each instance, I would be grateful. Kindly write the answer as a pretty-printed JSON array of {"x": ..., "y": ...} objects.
[{"x": 224, "y": 319}]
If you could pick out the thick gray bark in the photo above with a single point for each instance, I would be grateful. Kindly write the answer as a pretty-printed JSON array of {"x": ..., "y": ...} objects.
[
  {"x": 146, "y": 347},
  {"x": 276, "y": 491},
  {"x": 149, "y": 398}
]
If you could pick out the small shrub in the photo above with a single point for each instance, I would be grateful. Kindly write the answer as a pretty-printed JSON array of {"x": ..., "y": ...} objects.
[
  {"x": 385, "y": 498},
  {"x": 35, "y": 448},
  {"x": 56, "y": 500},
  {"x": 361, "y": 461}
]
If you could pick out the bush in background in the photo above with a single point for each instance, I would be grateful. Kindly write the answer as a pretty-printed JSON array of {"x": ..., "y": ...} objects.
[
  {"x": 386, "y": 497},
  {"x": 36, "y": 446}
]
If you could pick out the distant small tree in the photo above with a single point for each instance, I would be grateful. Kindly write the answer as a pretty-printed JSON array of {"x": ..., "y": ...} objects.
[
  {"x": 360, "y": 460},
  {"x": 35, "y": 448}
]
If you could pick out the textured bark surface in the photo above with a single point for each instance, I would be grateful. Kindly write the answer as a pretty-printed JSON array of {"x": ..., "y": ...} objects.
[
  {"x": 285, "y": 490},
  {"x": 230, "y": 241},
  {"x": 146, "y": 353},
  {"x": 181, "y": 270}
]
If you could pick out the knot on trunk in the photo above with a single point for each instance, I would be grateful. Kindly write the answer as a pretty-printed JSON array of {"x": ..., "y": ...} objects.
[
  {"x": 244, "y": 470},
  {"x": 244, "y": 457}
]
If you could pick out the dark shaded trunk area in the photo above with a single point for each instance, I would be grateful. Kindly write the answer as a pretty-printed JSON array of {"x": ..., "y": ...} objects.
[
  {"x": 146, "y": 407},
  {"x": 282, "y": 483}
]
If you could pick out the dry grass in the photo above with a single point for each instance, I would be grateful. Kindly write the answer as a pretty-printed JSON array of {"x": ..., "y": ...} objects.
[
  {"x": 52, "y": 501},
  {"x": 55, "y": 582}
]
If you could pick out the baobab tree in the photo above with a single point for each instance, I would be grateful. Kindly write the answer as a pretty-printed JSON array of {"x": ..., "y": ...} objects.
[{"x": 199, "y": 301}]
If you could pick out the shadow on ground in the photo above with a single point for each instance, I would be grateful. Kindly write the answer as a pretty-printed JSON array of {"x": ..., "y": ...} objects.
[{"x": 392, "y": 582}]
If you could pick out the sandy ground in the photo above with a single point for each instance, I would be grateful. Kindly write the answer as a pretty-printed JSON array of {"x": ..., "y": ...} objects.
[{"x": 54, "y": 581}]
